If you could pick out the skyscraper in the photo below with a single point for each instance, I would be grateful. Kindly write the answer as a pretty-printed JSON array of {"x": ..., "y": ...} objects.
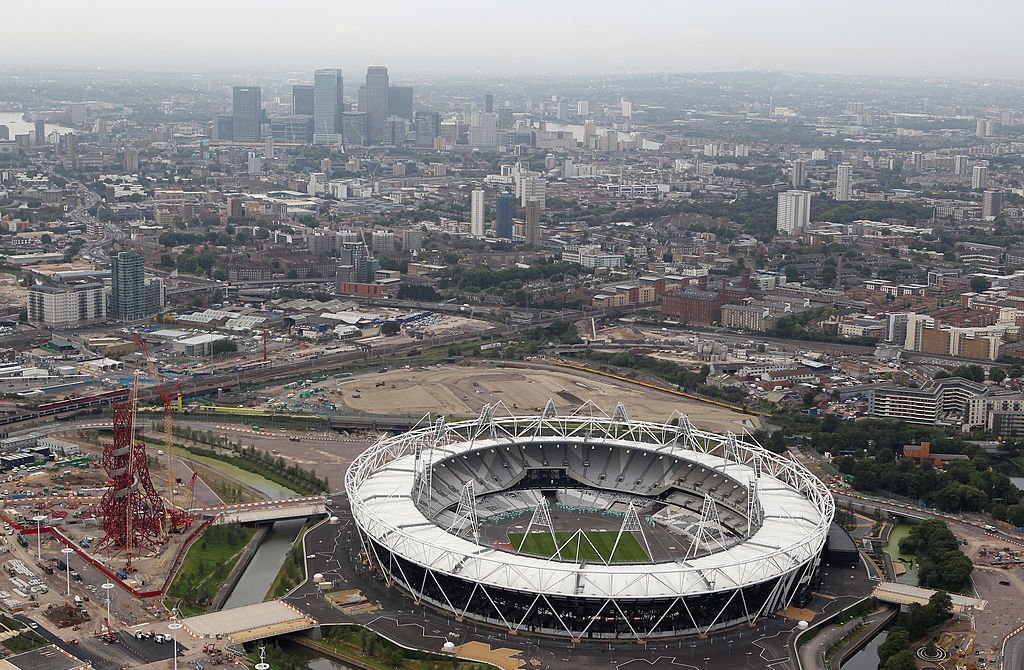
[
  {"x": 327, "y": 106},
  {"x": 505, "y": 208},
  {"x": 400, "y": 102},
  {"x": 794, "y": 212},
  {"x": 844, "y": 182},
  {"x": 533, "y": 208},
  {"x": 376, "y": 102},
  {"x": 483, "y": 131},
  {"x": 302, "y": 100},
  {"x": 799, "y": 173},
  {"x": 354, "y": 128},
  {"x": 40, "y": 131},
  {"x": 128, "y": 287},
  {"x": 247, "y": 110},
  {"x": 979, "y": 177},
  {"x": 583, "y": 107},
  {"x": 476, "y": 213}
]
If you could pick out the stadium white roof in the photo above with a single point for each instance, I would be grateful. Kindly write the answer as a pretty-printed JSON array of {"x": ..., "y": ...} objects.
[{"x": 792, "y": 533}]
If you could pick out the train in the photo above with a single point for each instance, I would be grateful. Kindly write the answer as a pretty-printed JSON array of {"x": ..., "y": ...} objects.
[{"x": 67, "y": 405}]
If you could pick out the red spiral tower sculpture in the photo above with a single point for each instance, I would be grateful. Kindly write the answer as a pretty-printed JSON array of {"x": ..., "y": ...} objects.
[{"x": 133, "y": 512}]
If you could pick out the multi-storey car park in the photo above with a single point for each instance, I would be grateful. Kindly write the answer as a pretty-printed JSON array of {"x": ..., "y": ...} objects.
[{"x": 589, "y": 525}]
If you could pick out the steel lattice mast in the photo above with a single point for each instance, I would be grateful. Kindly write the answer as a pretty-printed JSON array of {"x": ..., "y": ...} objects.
[{"x": 132, "y": 510}]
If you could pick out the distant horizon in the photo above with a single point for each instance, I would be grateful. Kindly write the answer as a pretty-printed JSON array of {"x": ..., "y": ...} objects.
[
  {"x": 402, "y": 75},
  {"x": 909, "y": 38}
]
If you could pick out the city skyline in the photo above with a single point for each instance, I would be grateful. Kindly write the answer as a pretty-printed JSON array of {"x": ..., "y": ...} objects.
[{"x": 781, "y": 36}]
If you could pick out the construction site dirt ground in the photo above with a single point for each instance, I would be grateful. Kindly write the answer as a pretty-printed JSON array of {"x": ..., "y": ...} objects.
[{"x": 461, "y": 391}]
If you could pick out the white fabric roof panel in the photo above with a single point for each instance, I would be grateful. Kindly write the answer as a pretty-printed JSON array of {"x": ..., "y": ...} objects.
[{"x": 789, "y": 523}]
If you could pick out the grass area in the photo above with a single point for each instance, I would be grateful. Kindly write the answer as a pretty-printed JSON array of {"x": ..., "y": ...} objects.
[
  {"x": 25, "y": 642},
  {"x": 370, "y": 650},
  {"x": 208, "y": 562},
  {"x": 292, "y": 572},
  {"x": 275, "y": 472},
  {"x": 227, "y": 489},
  {"x": 599, "y": 547}
]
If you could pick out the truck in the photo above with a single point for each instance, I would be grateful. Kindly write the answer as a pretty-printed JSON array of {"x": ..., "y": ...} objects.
[
  {"x": 22, "y": 541},
  {"x": 121, "y": 574}
]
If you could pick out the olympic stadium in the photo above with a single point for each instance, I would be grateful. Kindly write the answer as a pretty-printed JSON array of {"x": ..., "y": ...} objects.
[{"x": 589, "y": 526}]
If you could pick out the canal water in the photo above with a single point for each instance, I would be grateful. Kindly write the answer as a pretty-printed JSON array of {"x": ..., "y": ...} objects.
[
  {"x": 254, "y": 583},
  {"x": 867, "y": 658},
  {"x": 313, "y": 660},
  {"x": 900, "y": 531}
]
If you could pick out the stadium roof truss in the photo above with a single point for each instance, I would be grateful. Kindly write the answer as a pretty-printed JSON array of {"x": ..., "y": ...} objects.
[{"x": 788, "y": 515}]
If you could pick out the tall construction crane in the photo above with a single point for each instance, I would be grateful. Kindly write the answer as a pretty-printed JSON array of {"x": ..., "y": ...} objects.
[{"x": 177, "y": 518}]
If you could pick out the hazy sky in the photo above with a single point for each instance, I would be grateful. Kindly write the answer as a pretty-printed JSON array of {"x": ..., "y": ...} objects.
[{"x": 976, "y": 38}]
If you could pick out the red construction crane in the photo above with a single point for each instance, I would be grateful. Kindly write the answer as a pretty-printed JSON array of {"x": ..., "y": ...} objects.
[{"x": 177, "y": 518}]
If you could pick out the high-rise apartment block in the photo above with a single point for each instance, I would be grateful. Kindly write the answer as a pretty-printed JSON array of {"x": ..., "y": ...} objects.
[
  {"x": 476, "y": 213},
  {"x": 794, "y": 213},
  {"x": 505, "y": 209},
  {"x": 960, "y": 165},
  {"x": 979, "y": 177},
  {"x": 532, "y": 231},
  {"x": 991, "y": 203},
  {"x": 128, "y": 286},
  {"x": 247, "y": 112},
  {"x": 798, "y": 173},
  {"x": 66, "y": 306},
  {"x": 532, "y": 188},
  {"x": 844, "y": 182},
  {"x": 328, "y": 107}
]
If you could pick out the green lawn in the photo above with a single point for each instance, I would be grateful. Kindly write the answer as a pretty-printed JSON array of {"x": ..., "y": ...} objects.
[{"x": 539, "y": 544}]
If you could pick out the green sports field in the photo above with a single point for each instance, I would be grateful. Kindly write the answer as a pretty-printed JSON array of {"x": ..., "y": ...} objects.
[{"x": 539, "y": 544}]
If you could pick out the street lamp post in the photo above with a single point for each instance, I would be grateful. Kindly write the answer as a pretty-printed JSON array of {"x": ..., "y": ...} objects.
[
  {"x": 67, "y": 551},
  {"x": 106, "y": 587},
  {"x": 39, "y": 519},
  {"x": 175, "y": 627}
]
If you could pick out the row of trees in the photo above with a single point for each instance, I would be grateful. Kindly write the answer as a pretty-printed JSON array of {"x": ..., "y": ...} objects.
[
  {"x": 941, "y": 563},
  {"x": 896, "y": 653}
]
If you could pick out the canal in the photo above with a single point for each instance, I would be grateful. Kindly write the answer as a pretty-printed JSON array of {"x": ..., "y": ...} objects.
[
  {"x": 254, "y": 583},
  {"x": 867, "y": 658},
  {"x": 900, "y": 531}
]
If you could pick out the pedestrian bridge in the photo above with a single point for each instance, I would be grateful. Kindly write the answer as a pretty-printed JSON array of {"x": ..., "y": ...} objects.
[
  {"x": 265, "y": 510},
  {"x": 248, "y": 623},
  {"x": 905, "y": 594}
]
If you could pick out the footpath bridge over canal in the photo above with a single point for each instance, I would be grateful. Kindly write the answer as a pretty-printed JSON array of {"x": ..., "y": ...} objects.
[{"x": 264, "y": 511}]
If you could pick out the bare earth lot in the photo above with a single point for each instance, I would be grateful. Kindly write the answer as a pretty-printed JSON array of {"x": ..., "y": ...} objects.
[{"x": 462, "y": 391}]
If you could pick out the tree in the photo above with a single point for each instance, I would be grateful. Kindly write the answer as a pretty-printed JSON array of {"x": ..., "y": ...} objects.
[
  {"x": 980, "y": 284},
  {"x": 896, "y": 641},
  {"x": 390, "y": 328},
  {"x": 997, "y": 375},
  {"x": 901, "y": 660},
  {"x": 223, "y": 346}
]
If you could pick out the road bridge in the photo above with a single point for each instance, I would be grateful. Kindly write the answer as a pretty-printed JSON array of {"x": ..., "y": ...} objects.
[
  {"x": 249, "y": 622},
  {"x": 905, "y": 594},
  {"x": 265, "y": 510}
]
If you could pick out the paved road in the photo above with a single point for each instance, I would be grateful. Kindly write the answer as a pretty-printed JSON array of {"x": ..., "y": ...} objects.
[
  {"x": 333, "y": 551},
  {"x": 1013, "y": 653}
]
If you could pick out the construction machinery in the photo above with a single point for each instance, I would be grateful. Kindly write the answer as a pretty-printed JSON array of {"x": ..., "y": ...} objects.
[{"x": 177, "y": 518}]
